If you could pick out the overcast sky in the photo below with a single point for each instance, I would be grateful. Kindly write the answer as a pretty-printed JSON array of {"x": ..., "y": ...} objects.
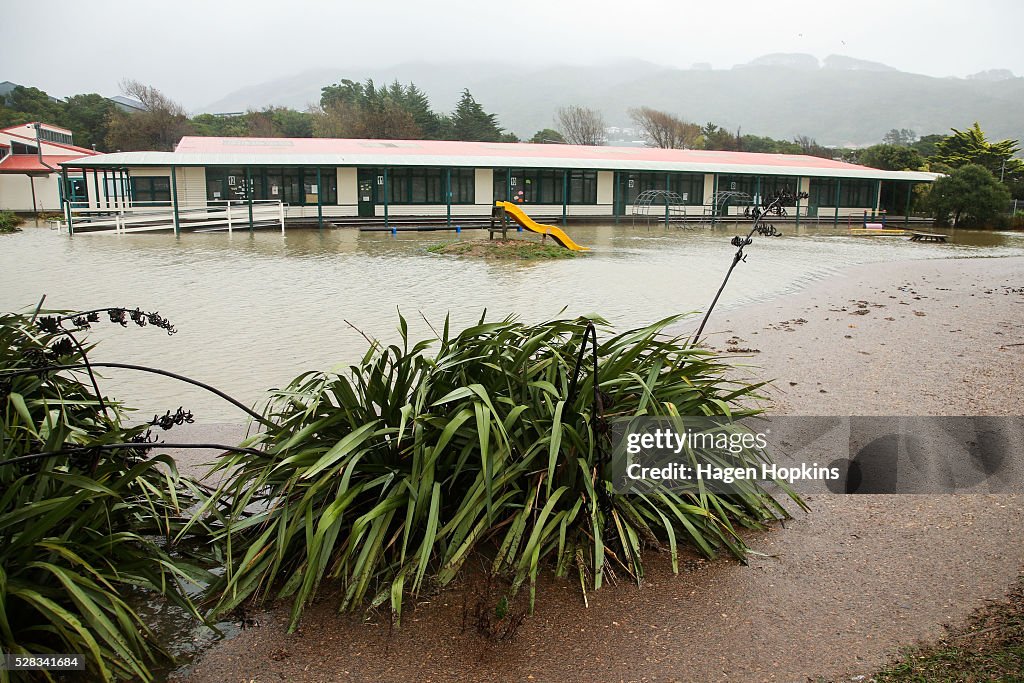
[{"x": 196, "y": 51}]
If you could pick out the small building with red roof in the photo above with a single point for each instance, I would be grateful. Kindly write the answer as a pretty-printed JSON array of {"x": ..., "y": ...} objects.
[{"x": 30, "y": 159}]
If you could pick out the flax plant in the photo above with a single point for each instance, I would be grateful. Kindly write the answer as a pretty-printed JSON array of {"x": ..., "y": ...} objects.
[
  {"x": 384, "y": 480},
  {"x": 84, "y": 527}
]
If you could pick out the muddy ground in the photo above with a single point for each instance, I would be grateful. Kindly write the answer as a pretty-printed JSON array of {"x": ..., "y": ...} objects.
[{"x": 833, "y": 594}]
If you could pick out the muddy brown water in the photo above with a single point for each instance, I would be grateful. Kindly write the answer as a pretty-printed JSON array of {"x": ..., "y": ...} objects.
[{"x": 252, "y": 312}]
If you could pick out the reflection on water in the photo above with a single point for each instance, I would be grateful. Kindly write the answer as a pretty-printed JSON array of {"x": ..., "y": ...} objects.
[{"x": 254, "y": 311}]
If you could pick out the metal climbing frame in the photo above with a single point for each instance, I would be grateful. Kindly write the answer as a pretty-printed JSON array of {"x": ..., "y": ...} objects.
[
  {"x": 717, "y": 208},
  {"x": 659, "y": 205}
]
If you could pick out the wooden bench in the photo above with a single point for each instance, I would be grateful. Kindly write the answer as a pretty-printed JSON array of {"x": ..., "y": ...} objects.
[{"x": 927, "y": 237}]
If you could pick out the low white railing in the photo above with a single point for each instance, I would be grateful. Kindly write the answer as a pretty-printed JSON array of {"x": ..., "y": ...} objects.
[{"x": 219, "y": 214}]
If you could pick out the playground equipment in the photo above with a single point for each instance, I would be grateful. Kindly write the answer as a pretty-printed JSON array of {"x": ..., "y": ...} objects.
[
  {"x": 504, "y": 210},
  {"x": 662, "y": 205},
  {"x": 717, "y": 208},
  {"x": 876, "y": 228}
]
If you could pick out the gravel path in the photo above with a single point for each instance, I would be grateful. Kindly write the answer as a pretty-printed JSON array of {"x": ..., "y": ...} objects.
[{"x": 835, "y": 593}]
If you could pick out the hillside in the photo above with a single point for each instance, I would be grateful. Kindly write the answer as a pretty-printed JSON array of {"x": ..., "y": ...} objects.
[{"x": 842, "y": 101}]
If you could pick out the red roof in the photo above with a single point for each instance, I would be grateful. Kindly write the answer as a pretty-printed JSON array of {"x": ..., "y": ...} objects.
[
  {"x": 414, "y": 148},
  {"x": 29, "y": 163}
]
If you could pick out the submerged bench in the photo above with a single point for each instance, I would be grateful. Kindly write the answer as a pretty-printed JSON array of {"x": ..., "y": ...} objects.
[{"x": 927, "y": 237}]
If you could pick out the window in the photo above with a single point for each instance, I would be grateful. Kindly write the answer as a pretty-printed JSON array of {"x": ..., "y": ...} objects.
[
  {"x": 857, "y": 193},
  {"x": 536, "y": 186},
  {"x": 689, "y": 186},
  {"x": 55, "y": 136},
  {"x": 426, "y": 185},
  {"x": 463, "y": 185},
  {"x": 853, "y": 192},
  {"x": 772, "y": 185},
  {"x": 738, "y": 183},
  {"x": 77, "y": 191},
  {"x": 822, "y": 192},
  {"x": 296, "y": 186},
  {"x": 151, "y": 189},
  {"x": 22, "y": 148},
  {"x": 225, "y": 183},
  {"x": 762, "y": 189},
  {"x": 501, "y": 185},
  {"x": 329, "y": 185},
  {"x": 583, "y": 187}
]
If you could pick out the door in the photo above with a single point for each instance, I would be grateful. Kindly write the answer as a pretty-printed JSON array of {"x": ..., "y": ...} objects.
[
  {"x": 626, "y": 191},
  {"x": 367, "y": 202},
  {"x": 78, "y": 192}
]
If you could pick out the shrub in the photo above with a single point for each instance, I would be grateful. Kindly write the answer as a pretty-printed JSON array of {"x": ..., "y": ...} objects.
[
  {"x": 970, "y": 196},
  {"x": 9, "y": 222},
  {"x": 1017, "y": 221},
  {"x": 389, "y": 477},
  {"x": 84, "y": 524}
]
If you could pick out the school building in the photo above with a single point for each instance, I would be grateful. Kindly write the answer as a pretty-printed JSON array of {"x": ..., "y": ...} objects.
[
  {"x": 317, "y": 180},
  {"x": 30, "y": 173}
]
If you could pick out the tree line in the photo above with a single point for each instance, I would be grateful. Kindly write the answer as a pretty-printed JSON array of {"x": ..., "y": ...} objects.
[
  {"x": 990, "y": 171},
  {"x": 980, "y": 177},
  {"x": 347, "y": 109}
]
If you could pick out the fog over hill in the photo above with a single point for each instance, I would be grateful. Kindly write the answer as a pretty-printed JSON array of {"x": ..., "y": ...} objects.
[{"x": 838, "y": 101}]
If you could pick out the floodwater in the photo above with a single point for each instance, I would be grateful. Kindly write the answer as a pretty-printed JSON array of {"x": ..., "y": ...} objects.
[{"x": 254, "y": 311}]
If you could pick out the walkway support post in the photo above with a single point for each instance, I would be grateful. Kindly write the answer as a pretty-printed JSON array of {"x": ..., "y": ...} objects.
[
  {"x": 835, "y": 217},
  {"x": 448, "y": 193},
  {"x": 106, "y": 190},
  {"x": 319, "y": 200},
  {"x": 799, "y": 181},
  {"x": 385, "y": 198},
  {"x": 174, "y": 200},
  {"x": 248, "y": 193},
  {"x": 617, "y": 196},
  {"x": 906, "y": 210},
  {"x": 565, "y": 196},
  {"x": 668, "y": 185},
  {"x": 714, "y": 201},
  {"x": 66, "y": 196}
]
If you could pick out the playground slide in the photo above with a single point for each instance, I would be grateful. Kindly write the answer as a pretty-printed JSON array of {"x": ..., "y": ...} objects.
[{"x": 557, "y": 234}]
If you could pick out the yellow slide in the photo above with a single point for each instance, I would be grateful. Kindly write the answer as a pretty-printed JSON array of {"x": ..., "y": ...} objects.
[{"x": 557, "y": 234}]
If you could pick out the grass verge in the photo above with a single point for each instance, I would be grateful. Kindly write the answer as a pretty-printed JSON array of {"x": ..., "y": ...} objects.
[
  {"x": 990, "y": 647},
  {"x": 503, "y": 249}
]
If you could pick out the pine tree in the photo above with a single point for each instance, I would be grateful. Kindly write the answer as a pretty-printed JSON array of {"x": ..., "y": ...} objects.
[
  {"x": 969, "y": 146},
  {"x": 471, "y": 122},
  {"x": 415, "y": 102}
]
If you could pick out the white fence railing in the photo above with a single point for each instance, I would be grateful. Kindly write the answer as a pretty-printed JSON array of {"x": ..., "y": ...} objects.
[{"x": 215, "y": 215}]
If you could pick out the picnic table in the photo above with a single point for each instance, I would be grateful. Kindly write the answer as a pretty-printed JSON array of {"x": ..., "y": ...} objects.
[{"x": 927, "y": 237}]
